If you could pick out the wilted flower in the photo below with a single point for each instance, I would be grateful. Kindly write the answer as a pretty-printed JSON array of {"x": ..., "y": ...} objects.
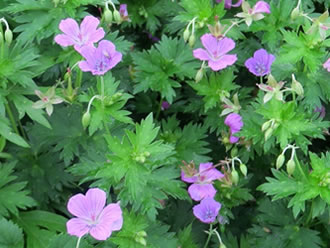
[
  {"x": 92, "y": 216},
  {"x": 326, "y": 65},
  {"x": 87, "y": 34},
  {"x": 320, "y": 110},
  {"x": 260, "y": 63},
  {"x": 202, "y": 182},
  {"x": 165, "y": 105},
  {"x": 215, "y": 52},
  {"x": 207, "y": 210},
  {"x": 101, "y": 59},
  {"x": 228, "y": 3},
  {"x": 47, "y": 100},
  {"x": 253, "y": 14},
  {"x": 321, "y": 25},
  {"x": 272, "y": 88},
  {"x": 235, "y": 123}
]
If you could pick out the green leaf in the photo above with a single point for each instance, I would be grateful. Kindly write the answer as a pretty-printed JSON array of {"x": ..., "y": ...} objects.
[
  {"x": 11, "y": 235},
  {"x": 7, "y": 132},
  {"x": 12, "y": 194},
  {"x": 186, "y": 238},
  {"x": 67, "y": 241}
]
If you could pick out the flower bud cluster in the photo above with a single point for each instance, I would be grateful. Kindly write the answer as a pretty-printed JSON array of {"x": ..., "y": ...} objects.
[{"x": 8, "y": 34}]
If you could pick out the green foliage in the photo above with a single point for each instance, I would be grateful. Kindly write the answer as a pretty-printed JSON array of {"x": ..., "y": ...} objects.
[
  {"x": 303, "y": 186},
  {"x": 11, "y": 235},
  {"x": 214, "y": 87},
  {"x": 40, "y": 227},
  {"x": 158, "y": 67},
  {"x": 12, "y": 194},
  {"x": 189, "y": 142},
  {"x": 186, "y": 238},
  {"x": 66, "y": 241}
]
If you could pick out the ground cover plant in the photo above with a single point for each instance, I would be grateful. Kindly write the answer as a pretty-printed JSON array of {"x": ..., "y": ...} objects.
[{"x": 164, "y": 124}]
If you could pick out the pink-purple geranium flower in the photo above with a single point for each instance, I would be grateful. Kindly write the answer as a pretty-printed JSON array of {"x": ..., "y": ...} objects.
[
  {"x": 202, "y": 181},
  {"x": 260, "y": 63},
  {"x": 207, "y": 210},
  {"x": 101, "y": 59},
  {"x": 216, "y": 52},
  {"x": 91, "y": 215},
  {"x": 86, "y": 34},
  {"x": 326, "y": 65},
  {"x": 229, "y": 4},
  {"x": 123, "y": 12},
  {"x": 235, "y": 123}
]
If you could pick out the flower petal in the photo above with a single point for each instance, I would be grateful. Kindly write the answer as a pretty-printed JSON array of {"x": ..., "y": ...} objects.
[
  {"x": 233, "y": 139},
  {"x": 225, "y": 45},
  {"x": 115, "y": 59},
  {"x": 77, "y": 206},
  {"x": 206, "y": 170},
  {"x": 100, "y": 232},
  {"x": 199, "y": 191},
  {"x": 207, "y": 210},
  {"x": 95, "y": 201},
  {"x": 223, "y": 62},
  {"x": 64, "y": 40},
  {"x": 188, "y": 179},
  {"x": 112, "y": 216},
  {"x": 84, "y": 66},
  {"x": 261, "y": 7},
  {"x": 49, "y": 109},
  {"x": 201, "y": 54},
  {"x": 70, "y": 27},
  {"x": 210, "y": 43},
  {"x": 88, "y": 29},
  {"x": 38, "y": 104},
  {"x": 77, "y": 227},
  {"x": 89, "y": 53}
]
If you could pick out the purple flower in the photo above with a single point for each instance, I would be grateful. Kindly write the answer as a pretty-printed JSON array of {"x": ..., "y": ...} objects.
[
  {"x": 235, "y": 123},
  {"x": 202, "y": 182},
  {"x": 228, "y": 3},
  {"x": 261, "y": 62},
  {"x": 87, "y": 34},
  {"x": 326, "y": 65},
  {"x": 261, "y": 7},
  {"x": 123, "y": 11},
  {"x": 101, "y": 59},
  {"x": 320, "y": 110},
  {"x": 165, "y": 105},
  {"x": 215, "y": 52},
  {"x": 92, "y": 216},
  {"x": 207, "y": 210}
]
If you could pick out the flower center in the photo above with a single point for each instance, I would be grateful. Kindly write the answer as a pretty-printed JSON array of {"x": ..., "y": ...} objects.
[
  {"x": 260, "y": 68},
  {"x": 208, "y": 214},
  {"x": 45, "y": 99},
  {"x": 102, "y": 64}
]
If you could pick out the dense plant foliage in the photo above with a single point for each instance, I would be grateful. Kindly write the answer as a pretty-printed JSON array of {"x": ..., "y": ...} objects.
[{"x": 164, "y": 124}]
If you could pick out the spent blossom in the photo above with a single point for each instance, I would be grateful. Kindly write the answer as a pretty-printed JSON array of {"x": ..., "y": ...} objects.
[
  {"x": 165, "y": 105},
  {"x": 326, "y": 65},
  {"x": 260, "y": 63},
  {"x": 216, "y": 52},
  {"x": 101, "y": 59},
  {"x": 91, "y": 215},
  {"x": 86, "y": 34},
  {"x": 272, "y": 89},
  {"x": 202, "y": 181},
  {"x": 235, "y": 123},
  {"x": 253, "y": 14},
  {"x": 320, "y": 24},
  {"x": 47, "y": 100},
  {"x": 207, "y": 210},
  {"x": 123, "y": 12},
  {"x": 229, "y": 4}
]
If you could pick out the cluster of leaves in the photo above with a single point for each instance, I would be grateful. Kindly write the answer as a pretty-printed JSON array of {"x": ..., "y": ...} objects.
[{"x": 103, "y": 134}]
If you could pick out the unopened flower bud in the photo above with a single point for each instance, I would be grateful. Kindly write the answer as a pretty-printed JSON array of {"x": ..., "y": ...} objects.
[
  {"x": 243, "y": 169},
  {"x": 234, "y": 177},
  {"x": 142, "y": 234},
  {"x": 222, "y": 245},
  {"x": 141, "y": 240},
  {"x": 295, "y": 13},
  {"x": 279, "y": 161},
  {"x": 297, "y": 87},
  {"x": 8, "y": 36},
  {"x": 186, "y": 35},
  {"x": 86, "y": 120},
  {"x": 268, "y": 133},
  {"x": 116, "y": 16},
  {"x": 146, "y": 154},
  {"x": 56, "y": 2},
  {"x": 192, "y": 40},
  {"x": 199, "y": 75},
  {"x": 107, "y": 15},
  {"x": 266, "y": 125},
  {"x": 290, "y": 166}
]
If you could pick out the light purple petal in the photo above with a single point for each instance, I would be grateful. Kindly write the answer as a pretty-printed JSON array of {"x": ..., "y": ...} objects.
[
  {"x": 208, "y": 173},
  {"x": 188, "y": 179},
  {"x": 201, "y": 54},
  {"x": 234, "y": 121},
  {"x": 89, "y": 53},
  {"x": 77, "y": 227},
  {"x": 88, "y": 30},
  {"x": 100, "y": 232},
  {"x": 225, "y": 45},
  {"x": 123, "y": 10},
  {"x": 84, "y": 66},
  {"x": 223, "y": 62},
  {"x": 64, "y": 40},
  {"x": 261, "y": 55},
  {"x": 115, "y": 59},
  {"x": 112, "y": 216},
  {"x": 261, "y": 7},
  {"x": 326, "y": 65},
  {"x": 207, "y": 210},
  {"x": 70, "y": 27},
  {"x": 200, "y": 191},
  {"x": 95, "y": 200},
  {"x": 239, "y": 2},
  {"x": 210, "y": 43},
  {"x": 233, "y": 139}
]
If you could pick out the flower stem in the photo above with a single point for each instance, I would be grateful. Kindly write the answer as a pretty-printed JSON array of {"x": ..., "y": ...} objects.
[
  {"x": 209, "y": 237},
  {"x": 102, "y": 89},
  {"x": 11, "y": 117},
  {"x": 261, "y": 80},
  {"x": 159, "y": 107},
  {"x": 78, "y": 242}
]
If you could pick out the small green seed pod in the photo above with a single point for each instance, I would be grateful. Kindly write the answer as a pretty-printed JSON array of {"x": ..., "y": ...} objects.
[
  {"x": 290, "y": 166},
  {"x": 243, "y": 169},
  {"x": 107, "y": 15},
  {"x": 86, "y": 119},
  {"x": 116, "y": 16},
  {"x": 280, "y": 161},
  {"x": 192, "y": 40},
  {"x": 234, "y": 177},
  {"x": 186, "y": 35},
  {"x": 8, "y": 36}
]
